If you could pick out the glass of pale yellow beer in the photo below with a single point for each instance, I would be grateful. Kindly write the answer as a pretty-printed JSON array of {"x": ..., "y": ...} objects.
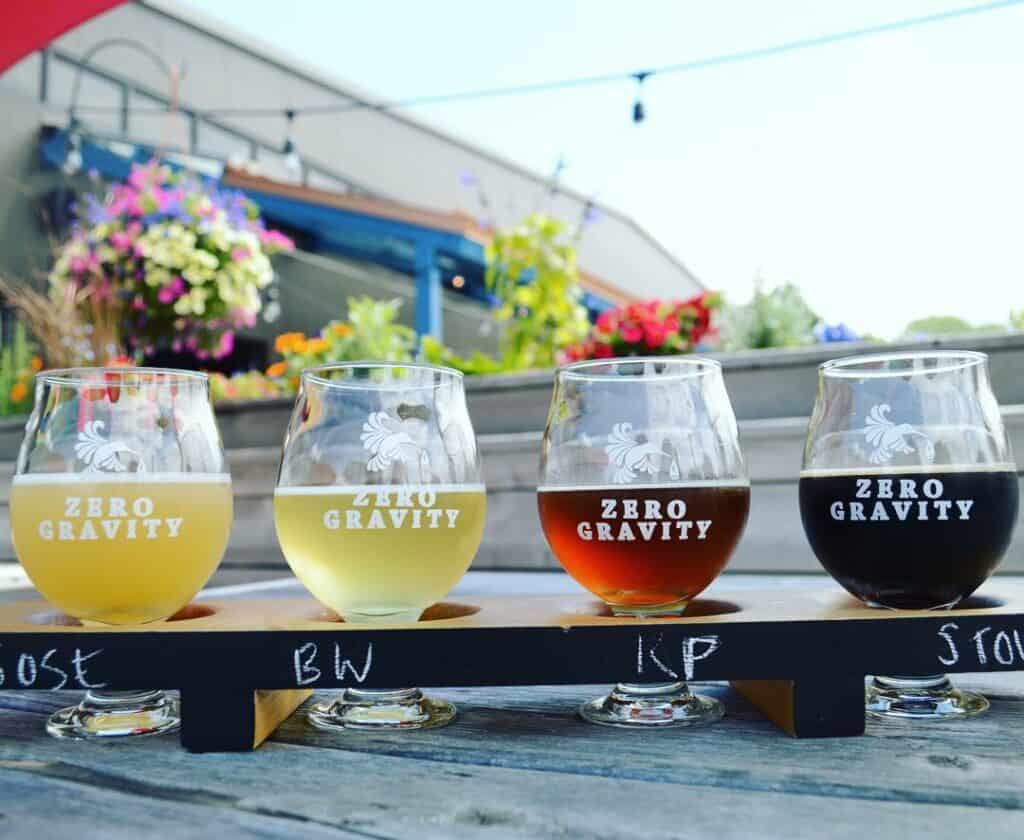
[
  {"x": 120, "y": 512},
  {"x": 380, "y": 508}
]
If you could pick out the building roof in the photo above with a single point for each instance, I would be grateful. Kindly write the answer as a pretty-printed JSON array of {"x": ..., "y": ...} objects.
[{"x": 380, "y": 154}]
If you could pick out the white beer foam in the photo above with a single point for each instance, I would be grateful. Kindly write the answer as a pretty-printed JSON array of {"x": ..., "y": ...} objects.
[
  {"x": 353, "y": 489},
  {"x": 57, "y": 479},
  {"x": 639, "y": 488},
  {"x": 906, "y": 469}
]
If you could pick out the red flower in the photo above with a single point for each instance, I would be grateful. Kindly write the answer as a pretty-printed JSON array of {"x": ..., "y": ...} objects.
[
  {"x": 607, "y": 321},
  {"x": 672, "y": 324},
  {"x": 654, "y": 335},
  {"x": 602, "y": 350},
  {"x": 631, "y": 333}
]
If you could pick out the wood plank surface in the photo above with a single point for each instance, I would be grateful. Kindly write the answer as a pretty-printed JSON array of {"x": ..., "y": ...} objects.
[{"x": 517, "y": 764}]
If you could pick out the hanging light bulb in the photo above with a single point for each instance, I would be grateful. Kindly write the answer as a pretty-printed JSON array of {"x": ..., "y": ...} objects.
[
  {"x": 73, "y": 159},
  {"x": 292, "y": 161},
  {"x": 639, "y": 113}
]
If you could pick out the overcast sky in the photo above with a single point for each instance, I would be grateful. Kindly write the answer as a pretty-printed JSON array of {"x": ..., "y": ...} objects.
[{"x": 883, "y": 176}]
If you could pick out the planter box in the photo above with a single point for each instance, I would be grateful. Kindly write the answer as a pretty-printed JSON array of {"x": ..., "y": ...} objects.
[
  {"x": 761, "y": 384},
  {"x": 774, "y": 539},
  {"x": 772, "y": 391}
]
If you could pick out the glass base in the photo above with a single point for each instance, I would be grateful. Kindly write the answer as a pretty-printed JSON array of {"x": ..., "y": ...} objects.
[
  {"x": 381, "y": 711},
  {"x": 920, "y": 698},
  {"x": 672, "y": 608},
  {"x": 648, "y": 706},
  {"x": 117, "y": 714}
]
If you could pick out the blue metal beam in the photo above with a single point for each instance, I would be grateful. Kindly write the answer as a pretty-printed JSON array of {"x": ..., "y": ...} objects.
[{"x": 428, "y": 292}]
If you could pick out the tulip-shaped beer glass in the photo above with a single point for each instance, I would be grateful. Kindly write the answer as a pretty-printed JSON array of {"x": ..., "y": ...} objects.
[
  {"x": 380, "y": 509},
  {"x": 120, "y": 512},
  {"x": 908, "y": 495},
  {"x": 643, "y": 497}
]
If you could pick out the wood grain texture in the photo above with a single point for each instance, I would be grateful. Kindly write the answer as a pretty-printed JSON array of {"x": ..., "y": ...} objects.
[{"x": 518, "y": 764}]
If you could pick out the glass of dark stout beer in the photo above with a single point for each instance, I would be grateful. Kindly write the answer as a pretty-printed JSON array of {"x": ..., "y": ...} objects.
[
  {"x": 643, "y": 497},
  {"x": 908, "y": 496}
]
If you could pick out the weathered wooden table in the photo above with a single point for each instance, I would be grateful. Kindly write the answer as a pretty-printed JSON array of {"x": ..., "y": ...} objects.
[{"x": 517, "y": 763}]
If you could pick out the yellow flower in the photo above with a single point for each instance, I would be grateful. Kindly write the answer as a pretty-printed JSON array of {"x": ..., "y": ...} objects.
[
  {"x": 317, "y": 345},
  {"x": 341, "y": 330},
  {"x": 286, "y": 341},
  {"x": 277, "y": 369},
  {"x": 18, "y": 392}
]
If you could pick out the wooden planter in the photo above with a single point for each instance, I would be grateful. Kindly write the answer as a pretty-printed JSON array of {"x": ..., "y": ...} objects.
[{"x": 772, "y": 392}]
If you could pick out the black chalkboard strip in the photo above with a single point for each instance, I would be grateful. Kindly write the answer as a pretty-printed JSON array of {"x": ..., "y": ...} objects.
[{"x": 800, "y": 656}]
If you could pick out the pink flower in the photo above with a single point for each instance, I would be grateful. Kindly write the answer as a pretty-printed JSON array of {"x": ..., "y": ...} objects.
[
  {"x": 225, "y": 346},
  {"x": 172, "y": 291},
  {"x": 138, "y": 304},
  {"x": 78, "y": 265},
  {"x": 241, "y": 254},
  {"x": 274, "y": 239},
  {"x": 121, "y": 241}
]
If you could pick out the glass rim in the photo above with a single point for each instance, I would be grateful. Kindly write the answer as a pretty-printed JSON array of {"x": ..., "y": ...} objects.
[
  {"x": 856, "y": 367},
  {"x": 85, "y": 375},
  {"x": 315, "y": 374},
  {"x": 692, "y": 367}
]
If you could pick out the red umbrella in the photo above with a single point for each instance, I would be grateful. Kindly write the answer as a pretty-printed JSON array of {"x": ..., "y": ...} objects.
[{"x": 30, "y": 25}]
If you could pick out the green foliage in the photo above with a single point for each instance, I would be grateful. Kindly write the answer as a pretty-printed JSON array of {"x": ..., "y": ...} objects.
[
  {"x": 948, "y": 325},
  {"x": 434, "y": 352},
  {"x": 375, "y": 334},
  {"x": 531, "y": 268},
  {"x": 776, "y": 318},
  {"x": 18, "y": 363}
]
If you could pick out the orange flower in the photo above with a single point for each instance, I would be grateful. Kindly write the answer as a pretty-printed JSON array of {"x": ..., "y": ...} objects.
[
  {"x": 19, "y": 392},
  {"x": 277, "y": 369},
  {"x": 287, "y": 341},
  {"x": 317, "y": 345},
  {"x": 36, "y": 364},
  {"x": 341, "y": 330},
  {"x": 300, "y": 346}
]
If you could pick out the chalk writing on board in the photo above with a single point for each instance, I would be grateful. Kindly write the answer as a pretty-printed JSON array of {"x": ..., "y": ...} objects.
[
  {"x": 650, "y": 651},
  {"x": 306, "y": 657},
  {"x": 986, "y": 646},
  {"x": 52, "y": 671}
]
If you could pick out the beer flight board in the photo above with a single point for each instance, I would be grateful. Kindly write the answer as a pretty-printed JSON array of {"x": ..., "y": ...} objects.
[{"x": 243, "y": 666}]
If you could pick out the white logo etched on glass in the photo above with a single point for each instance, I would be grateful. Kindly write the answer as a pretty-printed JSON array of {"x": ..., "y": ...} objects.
[
  {"x": 631, "y": 457},
  {"x": 102, "y": 455},
  {"x": 387, "y": 442},
  {"x": 890, "y": 439}
]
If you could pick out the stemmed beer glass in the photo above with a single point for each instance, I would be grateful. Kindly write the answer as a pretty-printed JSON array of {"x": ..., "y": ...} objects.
[
  {"x": 643, "y": 497},
  {"x": 379, "y": 509},
  {"x": 120, "y": 512},
  {"x": 908, "y": 495}
]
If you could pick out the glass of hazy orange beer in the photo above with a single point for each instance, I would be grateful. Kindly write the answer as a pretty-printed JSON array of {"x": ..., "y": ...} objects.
[
  {"x": 380, "y": 508},
  {"x": 643, "y": 497},
  {"x": 120, "y": 512}
]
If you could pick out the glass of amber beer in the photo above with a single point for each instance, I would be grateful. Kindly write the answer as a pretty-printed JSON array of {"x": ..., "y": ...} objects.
[
  {"x": 908, "y": 496},
  {"x": 379, "y": 510},
  {"x": 643, "y": 497},
  {"x": 120, "y": 512}
]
